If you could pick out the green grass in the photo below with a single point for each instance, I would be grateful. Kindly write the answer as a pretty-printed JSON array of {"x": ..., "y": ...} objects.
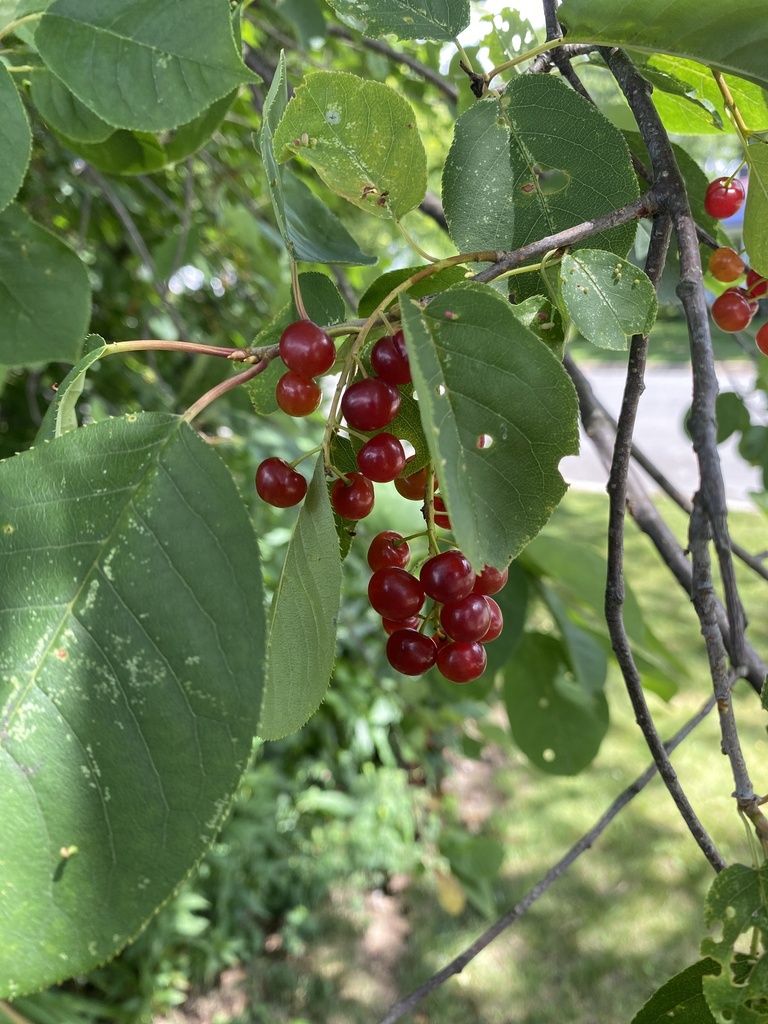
[{"x": 628, "y": 914}]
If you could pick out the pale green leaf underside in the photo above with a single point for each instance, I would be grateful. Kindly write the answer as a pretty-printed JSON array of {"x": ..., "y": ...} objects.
[
  {"x": 408, "y": 19},
  {"x": 607, "y": 298},
  {"x": 708, "y": 31},
  {"x": 140, "y": 65},
  {"x": 315, "y": 233},
  {"x": 537, "y": 161},
  {"x": 15, "y": 139},
  {"x": 131, "y": 669},
  {"x": 47, "y": 296},
  {"x": 756, "y": 209},
  {"x": 751, "y": 100},
  {"x": 302, "y": 633},
  {"x": 274, "y": 107},
  {"x": 362, "y": 139},
  {"x": 477, "y": 370}
]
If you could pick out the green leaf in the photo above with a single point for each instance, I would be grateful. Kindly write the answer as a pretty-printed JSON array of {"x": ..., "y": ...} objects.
[
  {"x": 302, "y": 631},
  {"x": 557, "y": 725},
  {"x": 408, "y": 19},
  {"x": 141, "y": 66},
  {"x": 756, "y": 209},
  {"x": 63, "y": 112},
  {"x": 315, "y": 234},
  {"x": 274, "y": 108},
  {"x": 478, "y": 371},
  {"x": 606, "y": 297},
  {"x": 731, "y": 414},
  {"x": 681, "y": 999},
  {"x": 382, "y": 286},
  {"x": 535, "y": 161},
  {"x": 700, "y": 30},
  {"x": 737, "y": 902},
  {"x": 15, "y": 139},
  {"x": 362, "y": 138},
  {"x": 61, "y": 415},
  {"x": 585, "y": 656},
  {"x": 306, "y": 20},
  {"x": 44, "y": 314},
  {"x": 130, "y": 683}
]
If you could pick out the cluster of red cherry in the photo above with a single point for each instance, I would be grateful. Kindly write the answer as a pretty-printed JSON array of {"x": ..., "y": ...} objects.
[
  {"x": 465, "y": 616},
  {"x": 733, "y": 310}
]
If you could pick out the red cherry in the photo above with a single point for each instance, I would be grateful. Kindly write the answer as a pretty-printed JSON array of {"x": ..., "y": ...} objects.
[
  {"x": 394, "y": 593},
  {"x": 381, "y": 458},
  {"x": 757, "y": 286},
  {"x": 279, "y": 484},
  {"x": 412, "y": 486},
  {"x": 725, "y": 264},
  {"x": 447, "y": 577},
  {"x": 441, "y": 519},
  {"x": 353, "y": 498},
  {"x": 297, "y": 395},
  {"x": 370, "y": 404},
  {"x": 306, "y": 349},
  {"x": 497, "y": 622},
  {"x": 724, "y": 197},
  {"x": 391, "y": 625},
  {"x": 462, "y": 662},
  {"x": 761, "y": 339},
  {"x": 410, "y": 652},
  {"x": 731, "y": 311},
  {"x": 467, "y": 619},
  {"x": 389, "y": 358},
  {"x": 383, "y": 551},
  {"x": 490, "y": 580}
]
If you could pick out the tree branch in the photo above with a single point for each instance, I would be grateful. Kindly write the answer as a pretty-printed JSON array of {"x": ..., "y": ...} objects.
[{"x": 457, "y": 965}]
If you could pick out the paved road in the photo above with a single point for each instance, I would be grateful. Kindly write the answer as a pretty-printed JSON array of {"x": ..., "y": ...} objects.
[{"x": 659, "y": 433}]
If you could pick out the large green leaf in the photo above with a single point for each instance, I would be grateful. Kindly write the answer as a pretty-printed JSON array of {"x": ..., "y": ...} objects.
[
  {"x": 142, "y": 66},
  {"x": 382, "y": 286},
  {"x": 558, "y": 724},
  {"x": 63, "y": 111},
  {"x": 756, "y": 210},
  {"x": 607, "y": 298},
  {"x": 681, "y": 999},
  {"x": 315, "y": 233},
  {"x": 535, "y": 161},
  {"x": 362, "y": 138},
  {"x": 478, "y": 371},
  {"x": 408, "y": 19},
  {"x": 302, "y": 631},
  {"x": 15, "y": 139},
  {"x": 46, "y": 294},
  {"x": 708, "y": 31},
  {"x": 131, "y": 611}
]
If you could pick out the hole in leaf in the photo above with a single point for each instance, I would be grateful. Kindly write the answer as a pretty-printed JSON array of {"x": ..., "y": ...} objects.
[
  {"x": 440, "y": 389},
  {"x": 484, "y": 441},
  {"x": 548, "y": 755}
]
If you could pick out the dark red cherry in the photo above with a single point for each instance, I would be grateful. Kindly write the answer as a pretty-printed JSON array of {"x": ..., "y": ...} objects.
[
  {"x": 370, "y": 404},
  {"x": 389, "y": 358},
  {"x": 279, "y": 484},
  {"x": 394, "y": 593},
  {"x": 462, "y": 662},
  {"x": 353, "y": 497},
  {"x": 297, "y": 395},
  {"x": 384, "y": 551},
  {"x": 410, "y": 652},
  {"x": 306, "y": 349},
  {"x": 447, "y": 577},
  {"x": 381, "y": 458}
]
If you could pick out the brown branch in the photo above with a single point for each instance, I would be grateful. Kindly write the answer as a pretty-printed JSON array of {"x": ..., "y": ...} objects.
[{"x": 457, "y": 965}]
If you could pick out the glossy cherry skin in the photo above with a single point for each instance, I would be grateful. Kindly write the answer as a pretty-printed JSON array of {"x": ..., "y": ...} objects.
[
  {"x": 490, "y": 581},
  {"x": 497, "y": 622},
  {"x": 761, "y": 339},
  {"x": 412, "y": 486},
  {"x": 279, "y": 484},
  {"x": 756, "y": 285},
  {"x": 731, "y": 311},
  {"x": 441, "y": 518},
  {"x": 389, "y": 358},
  {"x": 381, "y": 458},
  {"x": 353, "y": 498},
  {"x": 297, "y": 395},
  {"x": 383, "y": 551},
  {"x": 726, "y": 265},
  {"x": 394, "y": 593},
  {"x": 390, "y": 625},
  {"x": 447, "y": 577},
  {"x": 467, "y": 619},
  {"x": 306, "y": 349},
  {"x": 410, "y": 652},
  {"x": 462, "y": 662},
  {"x": 724, "y": 197},
  {"x": 370, "y": 404}
]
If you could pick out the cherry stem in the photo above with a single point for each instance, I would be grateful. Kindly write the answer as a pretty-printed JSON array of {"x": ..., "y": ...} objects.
[
  {"x": 306, "y": 455},
  {"x": 429, "y": 504},
  {"x": 296, "y": 287},
  {"x": 411, "y": 536},
  {"x": 731, "y": 109},
  {"x": 415, "y": 245},
  {"x": 221, "y": 389},
  {"x": 550, "y": 44},
  {"x": 142, "y": 345}
]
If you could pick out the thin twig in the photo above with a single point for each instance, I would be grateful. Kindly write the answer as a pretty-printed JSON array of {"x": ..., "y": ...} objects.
[
  {"x": 457, "y": 965},
  {"x": 221, "y": 389}
]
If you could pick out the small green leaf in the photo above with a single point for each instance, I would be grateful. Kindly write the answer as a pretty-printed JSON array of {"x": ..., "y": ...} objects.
[
  {"x": 585, "y": 656},
  {"x": 140, "y": 66},
  {"x": 131, "y": 668},
  {"x": 756, "y": 209},
  {"x": 44, "y": 314},
  {"x": 606, "y": 297},
  {"x": 15, "y": 139},
  {"x": 700, "y": 30},
  {"x": 274, "y": 108},
  {"x": 408, "y": 19},
  {"x": 382, "y": 286},
  {"x": 557, "y": 725},
  {"x": 478, "y": 371},
  {"x": 361, "y": 137},
  {"x": 61, "y": 416},
  {"x": 731, "y": 414},
  {"x": 681, "y": 999},
  {"x": 302, "y": 631},
  {"x": 63, "y": 112},
  {"x": 315, "y": 234},
  {"x": 533, "y": 162}
]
